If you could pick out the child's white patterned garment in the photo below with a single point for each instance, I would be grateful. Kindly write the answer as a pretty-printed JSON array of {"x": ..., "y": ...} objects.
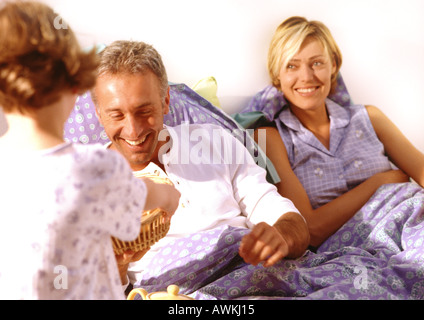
[{"x": 59, "y": 207}]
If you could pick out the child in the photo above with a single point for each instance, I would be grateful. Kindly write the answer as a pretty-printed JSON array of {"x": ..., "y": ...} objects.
[{"x": 60, "y": 202}]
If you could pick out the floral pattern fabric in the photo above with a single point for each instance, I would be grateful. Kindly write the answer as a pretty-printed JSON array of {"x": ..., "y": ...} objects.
[
  {"x": 378, "y": 254},
  {"x": 59, "y": 214}
]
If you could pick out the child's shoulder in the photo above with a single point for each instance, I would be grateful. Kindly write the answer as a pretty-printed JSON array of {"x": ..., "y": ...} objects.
[
  {"x": 91, "y": 149},
  {"x": 96, "y": 154}
]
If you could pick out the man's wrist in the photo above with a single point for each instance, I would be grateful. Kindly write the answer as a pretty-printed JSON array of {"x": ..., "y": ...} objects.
[{"x": 123, "y": 269}]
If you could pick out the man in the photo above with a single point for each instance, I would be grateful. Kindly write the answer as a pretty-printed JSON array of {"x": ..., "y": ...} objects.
[{"x": 218, "y": 187}]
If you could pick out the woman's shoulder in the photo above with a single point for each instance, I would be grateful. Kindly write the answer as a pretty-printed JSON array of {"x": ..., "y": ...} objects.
[
  {"x": 373, "y": 111},
  {"x": 370, "y": 112},
  {"x": 354, "y": 112}
]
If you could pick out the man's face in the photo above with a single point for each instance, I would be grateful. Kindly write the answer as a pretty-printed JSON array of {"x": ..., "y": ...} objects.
[{"x": 131, "y": 110}]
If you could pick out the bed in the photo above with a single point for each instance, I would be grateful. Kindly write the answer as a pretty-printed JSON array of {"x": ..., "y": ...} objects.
[{"x": 377, "y": 254}]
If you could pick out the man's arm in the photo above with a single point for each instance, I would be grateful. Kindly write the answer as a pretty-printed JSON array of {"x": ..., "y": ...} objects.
[
  {"x": 287, "y": 238},
  {"x": 124, "y": 260},
  {"x": 278, "y": 229}
]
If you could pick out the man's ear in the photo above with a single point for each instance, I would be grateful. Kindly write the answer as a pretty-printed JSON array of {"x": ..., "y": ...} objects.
[
  {"x": 97, "y": 113},
  {"x": 166, "y": 102},
  {"x": 96, "y": 108}
]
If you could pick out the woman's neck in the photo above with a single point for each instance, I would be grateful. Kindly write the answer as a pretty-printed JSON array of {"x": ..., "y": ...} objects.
[{"x": 317, "y": 121}]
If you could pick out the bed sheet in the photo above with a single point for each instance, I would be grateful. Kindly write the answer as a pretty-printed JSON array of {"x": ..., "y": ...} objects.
[{"x": 378, "y": 254}]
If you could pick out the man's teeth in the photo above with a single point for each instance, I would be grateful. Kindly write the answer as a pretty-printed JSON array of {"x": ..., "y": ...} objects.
[
  {"x": 306, "y": 90},
  {"x": 134, "y": 143}
]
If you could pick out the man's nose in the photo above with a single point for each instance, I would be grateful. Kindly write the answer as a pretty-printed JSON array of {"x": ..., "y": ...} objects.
[{"x": 132, "y": 127}]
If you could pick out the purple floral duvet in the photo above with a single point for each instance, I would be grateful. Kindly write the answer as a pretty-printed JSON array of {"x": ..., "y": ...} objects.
[{"x": 378, "y": 254}]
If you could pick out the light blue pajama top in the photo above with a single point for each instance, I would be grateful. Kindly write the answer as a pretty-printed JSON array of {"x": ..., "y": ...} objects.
[{"x": 355, "y": 152}]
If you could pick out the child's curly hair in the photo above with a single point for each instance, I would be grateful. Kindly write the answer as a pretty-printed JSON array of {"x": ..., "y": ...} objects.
[{"x": 39, "y": 58}]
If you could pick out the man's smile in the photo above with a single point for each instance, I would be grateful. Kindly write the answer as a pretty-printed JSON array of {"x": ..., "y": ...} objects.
[{"x": 136, "y": 142}]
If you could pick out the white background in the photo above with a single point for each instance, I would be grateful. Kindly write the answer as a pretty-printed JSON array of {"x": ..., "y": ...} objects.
[{"x": 382, "y": 42}]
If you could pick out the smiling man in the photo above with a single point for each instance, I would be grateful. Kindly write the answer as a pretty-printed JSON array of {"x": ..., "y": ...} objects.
[
  {"x": 132, "y": 121},
  {"x": 132, "y": 96}
]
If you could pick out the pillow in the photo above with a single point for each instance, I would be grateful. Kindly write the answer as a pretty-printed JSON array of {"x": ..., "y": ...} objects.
[
  {"x": 186, "y": 105},
  {"x": 267, "y": 103},
  {"x": 83, "y": 126},
  {"x": 207, "y": 88}
]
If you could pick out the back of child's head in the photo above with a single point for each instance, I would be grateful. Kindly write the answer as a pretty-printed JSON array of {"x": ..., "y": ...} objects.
[{"x": 40, "y": 57}]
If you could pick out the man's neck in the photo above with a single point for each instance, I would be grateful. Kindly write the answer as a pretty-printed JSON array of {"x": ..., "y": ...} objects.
[{"x": 157, "y": 155}]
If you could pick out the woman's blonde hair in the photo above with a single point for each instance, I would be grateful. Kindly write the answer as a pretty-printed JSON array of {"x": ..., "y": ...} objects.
[
  {"x": 288, "y": 39},
  {"x": 40, "y": 57}
]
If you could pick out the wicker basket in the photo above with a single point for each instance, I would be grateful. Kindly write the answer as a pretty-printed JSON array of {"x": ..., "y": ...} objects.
[{"x": 154, "y": 226}]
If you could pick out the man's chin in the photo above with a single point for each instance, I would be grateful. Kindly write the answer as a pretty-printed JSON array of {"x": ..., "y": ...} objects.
[
  {"x": 137, "y": 159},
  {"x": 137, "y": 162}
]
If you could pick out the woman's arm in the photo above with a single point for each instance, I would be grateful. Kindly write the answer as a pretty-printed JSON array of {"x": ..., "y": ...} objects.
[
  {"x": 327, "y": 219},
  {"x": 398, "y": 148}
]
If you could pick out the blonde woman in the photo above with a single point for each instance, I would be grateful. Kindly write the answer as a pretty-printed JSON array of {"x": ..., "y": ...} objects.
[{"x": 330, "y": 159}]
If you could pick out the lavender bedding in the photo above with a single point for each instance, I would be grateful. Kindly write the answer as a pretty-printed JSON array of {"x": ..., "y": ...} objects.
[{"x": 378, "y": 254}]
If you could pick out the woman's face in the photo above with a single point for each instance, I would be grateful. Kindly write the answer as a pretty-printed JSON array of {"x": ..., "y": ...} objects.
[{"x": 306, "y": 80}]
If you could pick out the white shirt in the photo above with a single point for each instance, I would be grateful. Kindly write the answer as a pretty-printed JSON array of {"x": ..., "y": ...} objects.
[
  {"x": 59, "y": 207},
  {"x": 219, "y": 182}
]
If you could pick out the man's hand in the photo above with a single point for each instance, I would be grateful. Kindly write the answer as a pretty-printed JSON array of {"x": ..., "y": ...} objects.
[
  {"x": 288, "y": 237},
  {"x": 263, "y": 244},
  {"x": 123, "y": 260}
]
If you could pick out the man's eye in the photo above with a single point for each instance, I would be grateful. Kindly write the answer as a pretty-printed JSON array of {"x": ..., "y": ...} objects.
[
  {"x": 115, "y": 116},
  {"x": 143, "y": 113}
]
